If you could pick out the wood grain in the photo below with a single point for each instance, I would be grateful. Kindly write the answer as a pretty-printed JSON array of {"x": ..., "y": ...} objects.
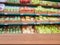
[{"x": 30, "y": 39}]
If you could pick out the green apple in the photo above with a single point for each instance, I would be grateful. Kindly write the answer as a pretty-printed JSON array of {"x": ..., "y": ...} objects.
[{"x": 35, "y": 1}]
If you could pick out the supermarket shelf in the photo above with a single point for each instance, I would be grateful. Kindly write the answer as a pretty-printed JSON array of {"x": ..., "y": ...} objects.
[
  {"x": 35, "y": 38},
  {"x": 6, "y": 14},
  {"x": 53, "y": 0},
  {"x": 48, "y": 23},
  {"x": 28, "y": 23},
  {"x": 33, "y": 5},
  {"x": 30, "y": 39},
  {"x": 10, "y": 24},
  {"x": 50, "y": 14}
]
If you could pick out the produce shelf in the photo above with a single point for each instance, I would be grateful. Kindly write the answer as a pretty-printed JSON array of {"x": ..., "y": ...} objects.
[
  {"x": 53, "y": 0},
  {"x": 29, "y": 23},
  {"x": 30, "y": 39},
  {"x": 33, "y": 5},
  {"x": 50, "y": 14},
  {"x": 48, "y": 22},
  {"x": 6, "y": 14},
  {"x": 16, "y": 27},
  {"x": 3, "y": 14}
]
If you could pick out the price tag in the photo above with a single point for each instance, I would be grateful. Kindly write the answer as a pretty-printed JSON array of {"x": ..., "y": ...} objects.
[
  {"x": 3, "y": 0},
  {"x": 38, "y": 23},
  {"x": 25, "y": 23},
  {"x": 49, "y": 14},
  {"x": 2, "y": 6},
  {"x": 21, "y": 14},
  {"x": 5, "y": 24},
  {"x": 58, "y": 4}
]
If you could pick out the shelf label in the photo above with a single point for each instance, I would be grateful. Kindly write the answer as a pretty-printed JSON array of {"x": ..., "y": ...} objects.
[
  {"x": 2, "y": 6},
  {"x": 5, "y": 24},
  {"x": 21, "y": 14},
  {"x": 58, "y": 4},
  {"x": 3, "y": 0},
  {"x": 25, "y": 23},
  {"x": 38, "y": 23}
]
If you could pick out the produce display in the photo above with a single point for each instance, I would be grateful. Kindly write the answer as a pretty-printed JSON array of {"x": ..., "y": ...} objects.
[
  {"x": 17, "y": 19},
  {"x": 42, "y": 19},
  {"x": 29, "y": 10},
  {"x": 13, "y": 29},
  {"x": 35, "y": 1},
  {"x": 48, "y": 29},
  {"x": 41, "y": 10},
  {"x": 47, "y": 19},
  {"x": 6, "y": 19},
  {"x": 18, "y": 1},
  {"x": 13, "y": 1},
  {"x": 6, "y": 8},
  {"x": 41, "y": 29},
  {"x": 39, "y": 2},
  {"x": 28, "y": 30},
  {"x": 25, "y": 1},
  {"x": 27, "y": 19},
  {"x": 54, "y": 19},
  {"x": 10, "y": 29},
  {"x": 44, "y": 3},
  {"x": 48, "y": 3},
  {"x": 11, "y": 9}
]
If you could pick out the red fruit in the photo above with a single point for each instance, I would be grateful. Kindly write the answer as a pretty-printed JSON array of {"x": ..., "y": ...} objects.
[
  {"x": 21, "y": 1},
  {"x": 27, "y": 1},
  {"x": 24, "y": 1}
]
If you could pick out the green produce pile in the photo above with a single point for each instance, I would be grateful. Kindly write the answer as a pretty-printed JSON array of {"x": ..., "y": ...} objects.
[
  {"x": 15, "y": 29},
  {"x": 2, "y": 30},
  {"x": 13, "y": 1},
  {"x": 18, "y": 19},
  {"x": 10, "y": 30},
  {"x": 53, "y": 0},
  {"x": 41, "y": 29},
  {"x": 47, "y": 10},
  {"x": 48, "y": 29},
  {"x": 47, "y": 19},
  {"x": 42, "y": 2},
  {"x": 11, "y": 9},
  {"x": 30, "y": 10}
]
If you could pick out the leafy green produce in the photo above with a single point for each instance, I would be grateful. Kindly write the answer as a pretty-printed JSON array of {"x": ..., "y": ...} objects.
[{"x": 47, "y": 29}]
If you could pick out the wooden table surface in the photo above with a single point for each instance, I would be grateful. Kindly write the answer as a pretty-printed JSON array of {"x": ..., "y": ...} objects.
[{"x": 29, "y": 38}]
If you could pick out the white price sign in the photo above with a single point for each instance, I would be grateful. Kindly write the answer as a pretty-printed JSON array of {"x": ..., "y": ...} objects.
[
  {"x": 3, "y": 0},
  {"x": 2, "y": 6}
]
